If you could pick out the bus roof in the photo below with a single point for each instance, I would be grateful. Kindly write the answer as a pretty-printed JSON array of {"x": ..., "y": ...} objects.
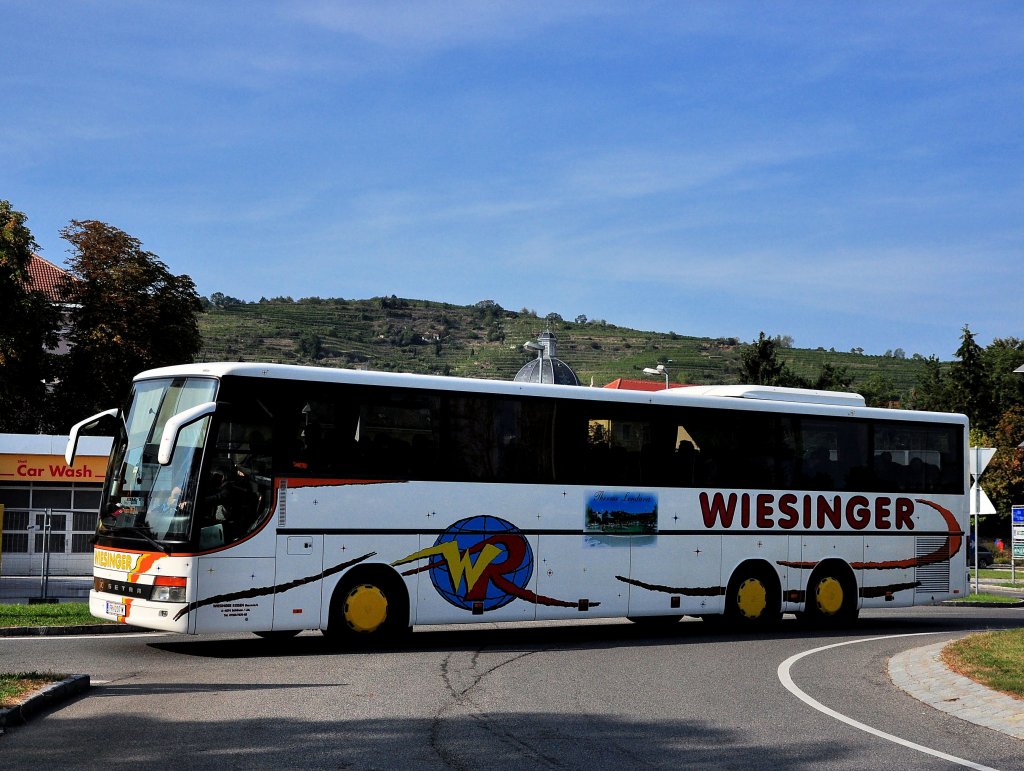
[{"x": 753, "y": 397}]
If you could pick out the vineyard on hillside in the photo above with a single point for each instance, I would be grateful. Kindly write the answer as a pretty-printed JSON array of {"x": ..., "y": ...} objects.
[{"x": 486, "y": 341}]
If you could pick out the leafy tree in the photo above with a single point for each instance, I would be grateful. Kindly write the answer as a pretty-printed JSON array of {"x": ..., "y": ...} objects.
[
  {"x": 1001, "y": 358},
  {"x": 221, "y": 300},
  {"x": 878, "y": 390},
  {"x": 833, "y": 378},
  {"x": 759, "y": 362},
  {"x": 28, "y": 326},
  {"x": 933, "y": 391},
  {"x": 310, "y": 345},
  {"x": 129, "y": 313},
  {"x": 760, "y": 365},
  {"x": 1003, "y": 479}
]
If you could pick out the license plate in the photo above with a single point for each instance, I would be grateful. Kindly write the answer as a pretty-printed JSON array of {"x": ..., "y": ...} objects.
[{"x": 115, "y": 608}]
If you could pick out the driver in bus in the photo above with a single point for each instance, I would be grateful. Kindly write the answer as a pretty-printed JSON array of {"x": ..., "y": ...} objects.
[{"x": 232, "y": 502}]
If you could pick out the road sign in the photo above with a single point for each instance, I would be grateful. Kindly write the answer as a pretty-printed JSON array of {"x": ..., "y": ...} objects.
[
  {"x": 1018, "y": 551},
  {"x": 979, "y": 457},
  {"x": 1018, "y": 514},
  {"x": 980, "y": 503},
  {"x": 1018, "y": 533}
]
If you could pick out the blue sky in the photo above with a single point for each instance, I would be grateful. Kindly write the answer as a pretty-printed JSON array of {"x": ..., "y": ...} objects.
[{"x": 849, "y": 174}]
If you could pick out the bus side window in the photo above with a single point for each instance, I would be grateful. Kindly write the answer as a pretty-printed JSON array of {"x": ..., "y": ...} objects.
[{"x": 685, "y": 460}]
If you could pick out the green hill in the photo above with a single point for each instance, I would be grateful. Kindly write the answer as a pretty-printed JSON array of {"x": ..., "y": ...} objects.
[{"x": 486, "y": 341}]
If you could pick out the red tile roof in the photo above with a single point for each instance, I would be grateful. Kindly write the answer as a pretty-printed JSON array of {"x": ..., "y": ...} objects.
[
  {"x": 641, "y": 385},
  {"x": 45, "y": 277}
]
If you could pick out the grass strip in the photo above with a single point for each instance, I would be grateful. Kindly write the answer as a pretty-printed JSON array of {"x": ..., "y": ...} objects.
[
  {"x": 14, "y": 688},
  {"x": 58, "y": 614},
  {"x": 988, "y": 597},
  {"x": 994, "y": 659}
]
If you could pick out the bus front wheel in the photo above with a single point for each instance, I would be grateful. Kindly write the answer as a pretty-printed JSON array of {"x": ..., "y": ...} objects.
[
  {"x": 367, "y": 609},
  {"x": 753, "y": 599}
]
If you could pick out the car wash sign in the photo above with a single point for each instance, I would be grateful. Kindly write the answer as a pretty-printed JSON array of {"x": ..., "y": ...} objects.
[{"x": 51, "y": 468}]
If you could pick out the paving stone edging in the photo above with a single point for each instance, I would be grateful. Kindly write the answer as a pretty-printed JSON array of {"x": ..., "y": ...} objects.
[
  {"x": 53, "y": 694},
  {"x": 922, "y": 674}
]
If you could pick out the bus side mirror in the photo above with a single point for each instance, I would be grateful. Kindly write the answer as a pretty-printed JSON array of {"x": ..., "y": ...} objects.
[
  {"x": 72, "y": 446},
  {"x": 176, "y": 424}
]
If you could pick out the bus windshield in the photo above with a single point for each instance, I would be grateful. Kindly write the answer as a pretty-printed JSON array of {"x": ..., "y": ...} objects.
[{"x": 144, "y": 499}]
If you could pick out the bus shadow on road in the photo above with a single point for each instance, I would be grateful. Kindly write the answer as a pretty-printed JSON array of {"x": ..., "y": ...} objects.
[{"x": 578, "y": 636}]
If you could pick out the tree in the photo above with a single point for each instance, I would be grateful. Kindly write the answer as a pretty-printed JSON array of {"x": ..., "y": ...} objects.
[
  {"x": 1003, "y": 480},
  {"x": 833, "y": 378},
  {"x": 221, "y": 300},
  {"x": 969, "y": 379},
  {"x": 759, "y": 362},
  {"x": 933, "y": 391},
  {"x": 129, "y": 313},
  {"x": 310, "y": 345},
  {"x": 1002, "y": 357},
  {"x": 28, "y": 327},
  {"x": 878, "y": 390}
]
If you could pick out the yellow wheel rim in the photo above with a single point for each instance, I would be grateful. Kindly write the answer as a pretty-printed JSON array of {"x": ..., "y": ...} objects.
[
  {"x": 752, "y": 598},
  {"x": 366, "y": 608},
  {"x": 828, "y": 596}
]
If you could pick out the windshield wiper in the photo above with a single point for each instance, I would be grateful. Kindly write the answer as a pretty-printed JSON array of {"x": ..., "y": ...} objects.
[{"x": 140, "y": 532}]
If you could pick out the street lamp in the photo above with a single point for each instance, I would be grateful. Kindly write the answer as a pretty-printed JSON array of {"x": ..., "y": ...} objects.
[{"x": 659, "y": 370}]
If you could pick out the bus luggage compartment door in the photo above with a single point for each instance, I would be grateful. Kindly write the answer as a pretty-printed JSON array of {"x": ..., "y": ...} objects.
[
  {"x": 236, "y": 593},
  {"x": 300, "y": 562}
]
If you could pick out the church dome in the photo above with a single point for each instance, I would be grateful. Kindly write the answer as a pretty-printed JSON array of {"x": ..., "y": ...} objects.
[{"x": 546, "y": 368}]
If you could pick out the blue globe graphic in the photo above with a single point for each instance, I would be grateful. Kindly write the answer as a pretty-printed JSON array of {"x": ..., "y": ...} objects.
[{"x": 467, "y": 533}]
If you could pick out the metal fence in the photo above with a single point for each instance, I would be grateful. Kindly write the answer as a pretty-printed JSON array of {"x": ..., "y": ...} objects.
[{"x": 45, "y": 555}]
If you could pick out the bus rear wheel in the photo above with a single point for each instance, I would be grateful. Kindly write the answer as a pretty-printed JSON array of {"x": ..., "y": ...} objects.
[
  {"x": 367, "y": 610},
  {"x": 831, "y": 598},
  {"x": 753, "y": 600}
]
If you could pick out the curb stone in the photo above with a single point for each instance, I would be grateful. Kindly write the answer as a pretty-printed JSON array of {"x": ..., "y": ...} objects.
[
  {"x": 47, "y": 697},
  {"x": 967, "y": 604},
  {"x": 48, "y": 631}
]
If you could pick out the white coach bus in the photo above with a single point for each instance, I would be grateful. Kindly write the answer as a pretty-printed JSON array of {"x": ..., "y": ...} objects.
[{"x": 273, "y": 499}]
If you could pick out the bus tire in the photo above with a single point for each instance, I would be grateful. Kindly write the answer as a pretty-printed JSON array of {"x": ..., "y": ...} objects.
[
  {"x": 754, "y": 598},
  {"x": 369, "y": 608},
  {"x": 831, "y": 596}
]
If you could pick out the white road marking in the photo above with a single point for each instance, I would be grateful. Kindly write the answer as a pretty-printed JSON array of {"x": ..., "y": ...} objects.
[
  {"x": 792, "y": 687},
  {"x": 107, "y": 636}
]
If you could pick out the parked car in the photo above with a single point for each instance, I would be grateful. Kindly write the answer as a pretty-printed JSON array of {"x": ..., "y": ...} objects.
[{"x": 984, "y": 556}]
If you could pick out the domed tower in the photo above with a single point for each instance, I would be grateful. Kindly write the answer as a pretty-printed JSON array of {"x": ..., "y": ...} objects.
[{"x": 547, "y": 367}]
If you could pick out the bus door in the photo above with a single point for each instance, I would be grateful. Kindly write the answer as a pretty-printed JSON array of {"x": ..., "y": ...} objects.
[{"x": 300, "y": 562}]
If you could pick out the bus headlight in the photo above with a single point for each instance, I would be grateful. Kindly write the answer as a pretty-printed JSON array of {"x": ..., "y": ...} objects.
[{"x": 169, "y": 589}]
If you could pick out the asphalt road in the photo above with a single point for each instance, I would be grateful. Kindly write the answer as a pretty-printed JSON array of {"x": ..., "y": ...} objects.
[{"x": 587, "y": 695}]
